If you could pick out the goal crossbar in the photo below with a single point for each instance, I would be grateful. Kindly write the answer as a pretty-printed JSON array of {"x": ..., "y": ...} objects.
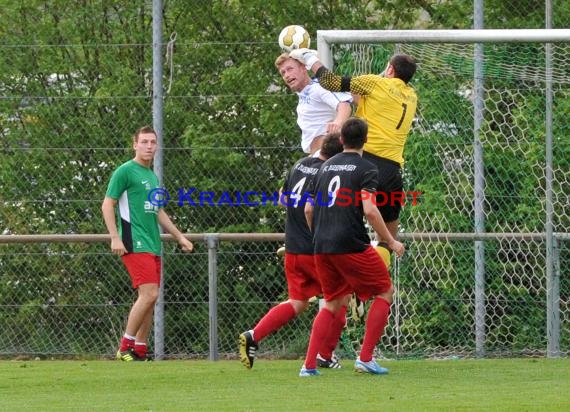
[
  {"x": 444, "y": 36},
  {"x": 325, "y": 38}
]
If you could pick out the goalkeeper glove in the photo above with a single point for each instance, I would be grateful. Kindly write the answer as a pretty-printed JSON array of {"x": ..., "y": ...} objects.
[{"x": 307, "y": 57}]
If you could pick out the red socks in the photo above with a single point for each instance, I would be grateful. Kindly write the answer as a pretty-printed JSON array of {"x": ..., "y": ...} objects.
[
  {"x": 321, "y": 329},
  {"x": 126, "y": 343},
  {"x": 273, "y": 320},
  {"x": 338, "y": 324},
  {"x": 375, "y": 324},
  {"x": 141, "y": 349}
]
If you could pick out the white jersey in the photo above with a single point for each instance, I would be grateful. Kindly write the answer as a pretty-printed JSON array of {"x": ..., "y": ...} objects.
[{"x": 316, "y": 108}]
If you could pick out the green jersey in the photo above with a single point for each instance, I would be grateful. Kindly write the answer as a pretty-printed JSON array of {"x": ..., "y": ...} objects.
[{"x": 137, "y": 217}]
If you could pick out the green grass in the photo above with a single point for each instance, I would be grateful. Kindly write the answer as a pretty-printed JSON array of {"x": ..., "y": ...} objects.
[{"x": 412, "y": 385}]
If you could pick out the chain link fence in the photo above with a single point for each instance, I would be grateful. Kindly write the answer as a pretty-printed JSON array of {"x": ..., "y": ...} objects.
[{"x": 70, "y": 100}]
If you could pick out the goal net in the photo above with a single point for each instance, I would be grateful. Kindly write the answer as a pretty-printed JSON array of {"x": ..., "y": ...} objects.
[{"x": 506, "y": 92}]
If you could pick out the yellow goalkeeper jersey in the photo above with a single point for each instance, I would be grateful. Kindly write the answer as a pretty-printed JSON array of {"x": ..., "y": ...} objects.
[{"x": 387, "y": 104}]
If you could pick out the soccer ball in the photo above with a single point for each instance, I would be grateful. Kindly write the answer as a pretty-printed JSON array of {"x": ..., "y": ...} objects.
[{"x": 294, "y": 37}]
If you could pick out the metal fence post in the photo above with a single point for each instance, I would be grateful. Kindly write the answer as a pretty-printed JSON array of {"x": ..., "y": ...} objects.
[
  {"x": 479, "y": 185},
  {"x": 553, "y": 299},
  {"x": 157, "y": 117},
  {"x": 212, "y": 242},
  {"x": 552, "y": 255}
]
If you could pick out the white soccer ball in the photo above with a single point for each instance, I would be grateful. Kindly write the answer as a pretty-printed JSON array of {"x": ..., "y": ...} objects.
[{"x": 294, "y": 37}]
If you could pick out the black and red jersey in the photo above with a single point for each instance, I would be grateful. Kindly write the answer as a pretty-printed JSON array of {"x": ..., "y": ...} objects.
[
  {"x": 337, "y": 194},
  {"x": 298, "y": 237}
]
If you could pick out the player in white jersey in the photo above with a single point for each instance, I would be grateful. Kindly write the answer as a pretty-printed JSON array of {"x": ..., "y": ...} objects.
[{"x": 319, "y": 111}]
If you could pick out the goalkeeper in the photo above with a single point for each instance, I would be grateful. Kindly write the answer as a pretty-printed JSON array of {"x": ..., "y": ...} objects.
[{"x": 388, "y": 104}]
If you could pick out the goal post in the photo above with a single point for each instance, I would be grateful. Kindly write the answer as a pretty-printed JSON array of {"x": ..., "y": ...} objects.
[
  {"x": 485, "y": 105},
  {"x": 327, "y": 37}
]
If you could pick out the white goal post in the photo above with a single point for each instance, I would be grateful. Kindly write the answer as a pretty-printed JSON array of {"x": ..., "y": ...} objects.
[{"x": 327, "y": 37}]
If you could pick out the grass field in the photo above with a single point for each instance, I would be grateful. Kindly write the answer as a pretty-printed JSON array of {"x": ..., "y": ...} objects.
[{"x": 412, "y": 385}]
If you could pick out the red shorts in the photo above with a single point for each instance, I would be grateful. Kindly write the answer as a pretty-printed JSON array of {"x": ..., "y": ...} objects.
[
  {"x": 301, "y": 274},
  {"x": 142, "y": 267},
  {"x": 363, "y": 273}
]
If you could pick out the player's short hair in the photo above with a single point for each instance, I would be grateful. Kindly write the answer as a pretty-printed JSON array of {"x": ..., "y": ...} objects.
[
  {"x": 143, "y": 130},
  {"x": 354, "y": 132},
  {"x": 282, "y": 58},
  {"x": 331, "y": 145},
  {"x": 404, "y": 66}
]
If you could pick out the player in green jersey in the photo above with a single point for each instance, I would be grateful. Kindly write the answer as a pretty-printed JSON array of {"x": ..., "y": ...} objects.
[{"x": 132, "y": 220}]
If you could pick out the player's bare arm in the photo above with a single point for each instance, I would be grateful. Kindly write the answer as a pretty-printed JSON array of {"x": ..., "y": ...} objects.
[
  {"x": 309, "y": 208},
  {"x": 377, "y": 222},
  {"x": 283, "y": 200},
  {"x": 171, "y": 228},
  {"x": 343, "y": 112}
]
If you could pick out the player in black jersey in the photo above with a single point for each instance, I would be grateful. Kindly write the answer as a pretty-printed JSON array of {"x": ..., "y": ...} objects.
[
  {"x": 343, "y": 194},
  {"x": 300, "y": 271}
]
